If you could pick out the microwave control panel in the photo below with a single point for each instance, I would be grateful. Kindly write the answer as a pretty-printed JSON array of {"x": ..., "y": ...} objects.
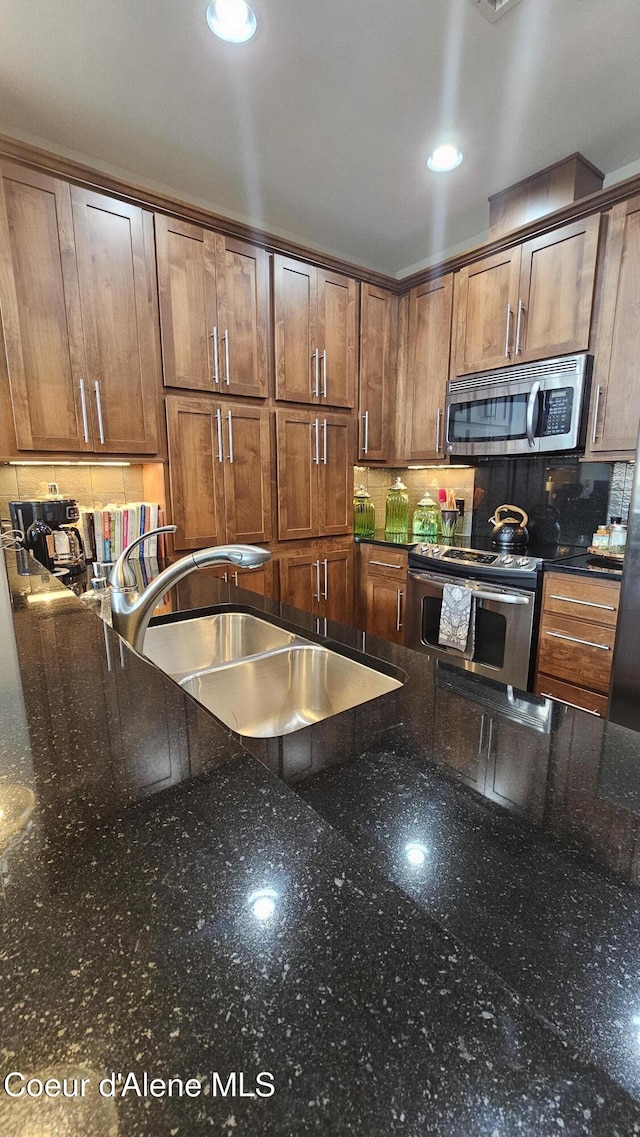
[{"x": 557, "y": 409}]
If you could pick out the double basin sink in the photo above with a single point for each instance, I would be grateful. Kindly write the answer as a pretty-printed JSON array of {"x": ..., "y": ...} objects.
[{"x": 258, "y": 678}]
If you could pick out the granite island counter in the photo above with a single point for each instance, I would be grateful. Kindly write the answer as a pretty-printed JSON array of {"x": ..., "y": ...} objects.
[{"x": 438, "y": 954}]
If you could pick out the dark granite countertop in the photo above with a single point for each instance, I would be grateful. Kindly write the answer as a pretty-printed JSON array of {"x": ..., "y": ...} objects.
[
  {"x": 380, "y": 539},
  {"x": 420, "y": 915},
  {"x": 588, "y": 565}
]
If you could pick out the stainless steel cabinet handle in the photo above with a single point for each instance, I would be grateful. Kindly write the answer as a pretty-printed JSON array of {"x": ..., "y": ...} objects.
[
  {"x": 324, "y": 441},
  {"x": 324, "y": 373},
  {"x": 365, "y": 422},
  {"x": 575, "y": 640},
  {"x": 481, "y": 738},
  {"x": 315, "y": 355},
  {"x": 216, "y": 357},
  {"x": 399, "y": 616},
  {"x": 325, "y": 591},
  {"x": 235, "y": 578},
  {"x": 596, "y": 408},
  {"x": 518, "y": 325},
  {"x": 96, "y": 387},
  {"x": 83, "y": 405},
  {"x": 566, "y": 703},
  {"x": 230, "y": 426},
  {"x": 316, "y": 565},
  {"x": 386, "y": 564},
  {"x": 316, "y": 427},
  {"x": 507, "y": 353},
  {"x": 219, "y": 430},
  {"x": 585, "y": 603},
  {"x": 438, "y": 428},
  {"x": 227, "y": 365}
]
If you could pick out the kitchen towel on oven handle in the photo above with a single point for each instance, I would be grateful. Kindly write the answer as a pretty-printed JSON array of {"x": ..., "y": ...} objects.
[{"x": 457, "y": 619}]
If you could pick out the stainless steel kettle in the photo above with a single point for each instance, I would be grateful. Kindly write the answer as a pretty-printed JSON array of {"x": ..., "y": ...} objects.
[{"x": 509, "y": 532}]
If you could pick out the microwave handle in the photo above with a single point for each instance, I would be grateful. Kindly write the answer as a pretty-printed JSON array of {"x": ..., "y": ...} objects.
[{"x": 531, "y": 406}]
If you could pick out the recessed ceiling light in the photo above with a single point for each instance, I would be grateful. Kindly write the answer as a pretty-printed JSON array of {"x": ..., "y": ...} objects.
[
  {"x": 444, "y": 158},
  {"x": 232, "y": 20}
]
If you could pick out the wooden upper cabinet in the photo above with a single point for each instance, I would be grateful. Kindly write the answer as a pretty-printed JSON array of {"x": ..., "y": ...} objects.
[
  {"x": 220, "y": 471},
  {"x": 429, "y": 342},
  {"x": 615, "y": 415},
  {"x": 214, "y": 301},
  {"x": 315, "y": 473},
  {"x": 531, "y": 302},
  {"x": 335, "y": 472},
  {"x": 378, "y": 356},
  {"x": 116, "y": 271},
  {"x": 315, "y": 334},
  {"x": 40, "y": 313}
]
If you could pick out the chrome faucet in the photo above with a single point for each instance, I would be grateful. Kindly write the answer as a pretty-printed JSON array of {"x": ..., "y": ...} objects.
[{"x": 131, "y": 610}]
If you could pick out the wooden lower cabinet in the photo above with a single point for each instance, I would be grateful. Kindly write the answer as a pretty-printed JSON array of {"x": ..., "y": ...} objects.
[
  {"x": 319, "y": 580},
  {"x": 383, "y": 591},
  {"x": 197, "y": 591},
  {"x": 576, "y": 640}
]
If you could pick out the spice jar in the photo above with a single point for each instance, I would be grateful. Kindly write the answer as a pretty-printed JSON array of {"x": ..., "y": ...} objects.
[{"x": 617, "y": 536}]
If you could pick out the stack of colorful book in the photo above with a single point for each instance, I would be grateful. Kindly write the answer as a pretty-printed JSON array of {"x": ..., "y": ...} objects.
[{"x": 107, "y": 532}]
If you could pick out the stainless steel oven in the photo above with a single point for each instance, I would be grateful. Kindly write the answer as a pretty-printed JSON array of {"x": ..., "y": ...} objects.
[
  {"x": 504, "y": 609},
  {"x": 530, "y": 408}
]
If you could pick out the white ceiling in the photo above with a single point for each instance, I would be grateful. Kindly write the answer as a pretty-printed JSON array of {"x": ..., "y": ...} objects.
[{"x": 320, "y": 127}]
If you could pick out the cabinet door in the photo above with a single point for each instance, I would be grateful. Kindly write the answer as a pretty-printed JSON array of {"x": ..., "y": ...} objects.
[
  {"x": 335, "y": 492},
  {"x": 557, "y": 278},
  {"x": 260, "y": 580},
  {"x": 378, "y": 342},
  {"x": 337, "y": 338},
  {"x": 115, "y": 268},
  {"x": 40, "y": 312},
  {"x": 295, "y": 301},
  {"x": 247, "y": 473},
  {"x": 460, "y": 732},
  {"x": 300, "y": 581},
  {"x": 298, "y": 457},
  {"x": 615, "y": 401},
  {"x": 430, "y": 308},
  {"x": 385, "y": 604},
  {"x": 486, "y": 299},
  {"x": 243, "y": 304},
  {"x": 336, "y": 595},
  {"x": 186, "y": 283},
  {"x": 517, "y": 767},
  {"x": 196, "y": 471}
]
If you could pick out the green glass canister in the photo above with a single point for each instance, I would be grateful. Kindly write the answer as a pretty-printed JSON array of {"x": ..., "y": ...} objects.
[
  {"x": 364, "y": 514},
  {"x": 396, "y": 522},
  {"x": 426, "y": 519}
]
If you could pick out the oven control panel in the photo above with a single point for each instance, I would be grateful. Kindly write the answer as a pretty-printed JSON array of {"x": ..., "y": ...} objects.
[{"x": 478, "y": 559}]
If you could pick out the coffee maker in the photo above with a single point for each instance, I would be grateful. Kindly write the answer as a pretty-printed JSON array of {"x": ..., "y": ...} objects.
[{"x": 49, "y": 529}]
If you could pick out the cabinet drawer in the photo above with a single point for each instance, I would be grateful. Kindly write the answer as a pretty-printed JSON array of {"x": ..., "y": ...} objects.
[
  {"x": 383, "y": 561},
  {"x": 572, "y": 696},
  {"x": 593, "y": 600},
  {"x": 571, "y": 647}
]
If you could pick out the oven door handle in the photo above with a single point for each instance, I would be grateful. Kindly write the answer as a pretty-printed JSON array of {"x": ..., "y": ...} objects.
[
  {"x": 531, "y": 406},
  {"x": 479, "y": 593}
]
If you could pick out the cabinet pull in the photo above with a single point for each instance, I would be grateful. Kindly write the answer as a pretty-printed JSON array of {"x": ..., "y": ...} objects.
[
  {"x": 438, "y": 426},
  {"x": 386, "y": 564},
  {"x": 235, "y": 578},
  {"x": 596, "y": 408},
  {"x": 324, "y": 373},
  {"x": 316, "y": 427},
  {"x": 399, "y": 615},
  {"x": 230, "y": 426},
  {"x": 315, "y": 355},
  {"x": 316, "y": 595},
  {"x": 325, "y": 591},
  {"x": 521, "y": 309},
  {"x": 324, "y": 441},
  {"x": 83, "y": 405},
  {"x": 575, "y": 640},
  {"x": 507, "y": 353},
  {"x": 365, "y": 422},
  {"x": 227, "y": 377},
  {"x": 216, "y": 357},
  {"x": 219, "y": 430},
  {"x": 99, "y": 406},
  {"x": 566, "y": 703},
  {"x": 585, "y": 603}
]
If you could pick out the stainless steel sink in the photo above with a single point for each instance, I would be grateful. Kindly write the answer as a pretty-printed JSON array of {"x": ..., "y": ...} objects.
[
  {"x": 286, "y": 689},
  {"x": 186, "y": 647}
]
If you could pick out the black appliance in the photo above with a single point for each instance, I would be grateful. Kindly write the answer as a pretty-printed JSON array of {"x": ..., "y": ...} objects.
[{"x": 62, "y": 547}]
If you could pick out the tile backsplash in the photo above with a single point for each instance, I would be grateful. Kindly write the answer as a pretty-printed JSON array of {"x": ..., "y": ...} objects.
[
  {"x": 459, "y": 479},
  {"x": 93, "y": 486},
  {"x": 620, "y": 490}
]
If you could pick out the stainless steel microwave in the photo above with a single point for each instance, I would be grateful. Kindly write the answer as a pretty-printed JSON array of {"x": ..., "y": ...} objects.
[{"x": 530, "y": 408}]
